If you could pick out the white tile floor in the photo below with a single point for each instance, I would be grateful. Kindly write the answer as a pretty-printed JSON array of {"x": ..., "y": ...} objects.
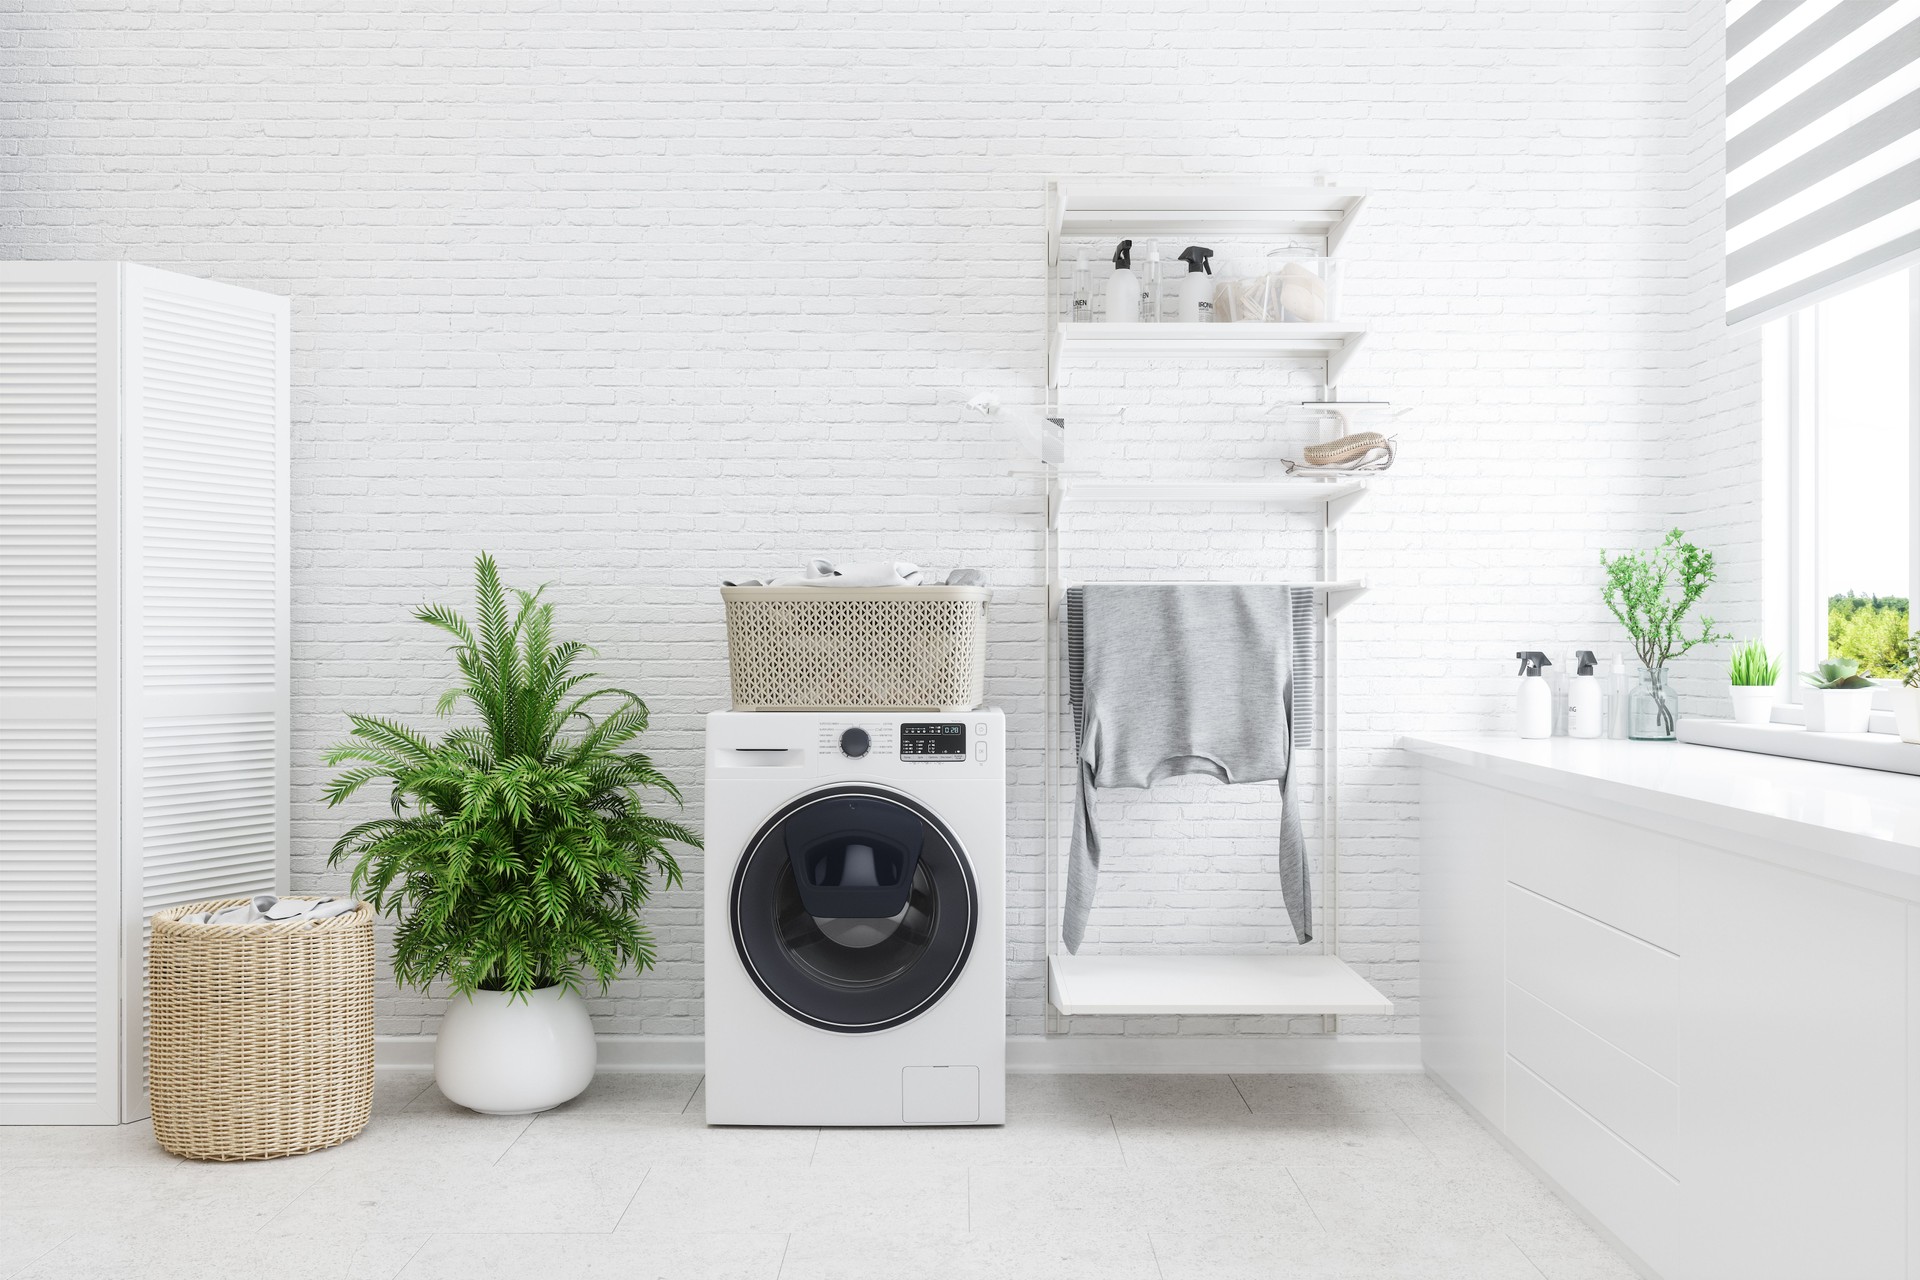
[{"x": 1103, "y": 1177}]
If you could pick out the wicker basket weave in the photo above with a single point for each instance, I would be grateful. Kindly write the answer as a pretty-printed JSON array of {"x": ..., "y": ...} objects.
[
  {"x": 880, "y": 648},
  {"x": 260, "y": 1038}
]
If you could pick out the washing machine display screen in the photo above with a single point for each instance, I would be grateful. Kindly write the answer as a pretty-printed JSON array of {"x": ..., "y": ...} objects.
[{"x": 933, "y": 742}]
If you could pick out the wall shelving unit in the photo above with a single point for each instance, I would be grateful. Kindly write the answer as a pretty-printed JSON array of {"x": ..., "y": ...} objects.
[{"x": 1155, "y": 984}]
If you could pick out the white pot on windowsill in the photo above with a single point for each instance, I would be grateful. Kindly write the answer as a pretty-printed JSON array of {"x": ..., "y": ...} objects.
[
  {"x": 1752, "y": 703},
  {"x": 1906, "y": 712},
  {"x": 1839, "y": 710}
]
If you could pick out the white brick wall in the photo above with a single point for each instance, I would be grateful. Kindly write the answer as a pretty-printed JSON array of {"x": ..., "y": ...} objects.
[{"x": 637, "y": 297}]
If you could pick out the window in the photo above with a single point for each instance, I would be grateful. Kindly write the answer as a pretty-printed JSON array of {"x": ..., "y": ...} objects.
[{"x": 1842, "y": 473}]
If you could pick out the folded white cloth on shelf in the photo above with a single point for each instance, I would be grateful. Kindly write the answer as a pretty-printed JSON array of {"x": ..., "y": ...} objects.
[
  {"x": 268, "y": 909},
  {"x": 864, "y": 573}
]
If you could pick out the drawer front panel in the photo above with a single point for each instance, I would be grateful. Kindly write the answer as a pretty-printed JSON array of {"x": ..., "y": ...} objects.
[
  {"x": 1624, "y": 876},
  {"x": 1638, "y": 1104},
  {"x": 1618, "y": 987},
  {"x": 1616, "y": 1184}
]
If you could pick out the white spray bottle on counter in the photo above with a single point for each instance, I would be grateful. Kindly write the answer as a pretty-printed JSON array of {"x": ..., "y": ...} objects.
[
  {"x": 1123, "y": 287},
  {"x": 1535, "y": 710},
  {"x": 1586, "y": 705}
]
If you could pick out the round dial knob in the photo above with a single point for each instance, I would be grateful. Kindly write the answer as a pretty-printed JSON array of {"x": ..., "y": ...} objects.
[{"x": 854, "y": 742}]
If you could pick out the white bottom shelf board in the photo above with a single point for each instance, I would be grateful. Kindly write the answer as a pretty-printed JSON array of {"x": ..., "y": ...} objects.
[{"x": 1242, "y": 984}]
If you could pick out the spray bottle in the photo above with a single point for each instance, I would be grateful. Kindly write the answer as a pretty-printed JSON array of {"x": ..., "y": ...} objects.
[
  {"x": 1082, "y": 301},
  {"x": 1535, "y": 709},
  {"x": 1586, "y": 716},
  {"x": 1196, "y": 287},
  {"x": 1123, "y": 287}
]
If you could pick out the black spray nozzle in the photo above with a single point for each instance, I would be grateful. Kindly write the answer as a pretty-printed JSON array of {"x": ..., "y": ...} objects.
[
  {"x": 1196, "y": 259},
  {"x": 1123, "y": 256},
  {"x": 1531, "y": 660},
  {"x": 1586, "y": 661}
]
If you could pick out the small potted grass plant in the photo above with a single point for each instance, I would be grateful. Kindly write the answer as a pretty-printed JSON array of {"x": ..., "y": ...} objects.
[
  {"x": 1906, "y": 697},
  {"x": 518, "y": 852},
  {"x": 1839, "y": 698},
  {"x": 1752, "y": 675}
]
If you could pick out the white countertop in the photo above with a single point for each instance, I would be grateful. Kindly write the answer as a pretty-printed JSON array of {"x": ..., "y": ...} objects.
[{"x": 1859, "y": 825}]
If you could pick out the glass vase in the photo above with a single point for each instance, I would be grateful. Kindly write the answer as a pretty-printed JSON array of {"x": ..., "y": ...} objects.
[{"x": 1652, "y": 707}]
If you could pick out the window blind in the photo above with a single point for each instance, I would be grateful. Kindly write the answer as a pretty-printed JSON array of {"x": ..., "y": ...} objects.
[{"x": 1823, "y": 148}]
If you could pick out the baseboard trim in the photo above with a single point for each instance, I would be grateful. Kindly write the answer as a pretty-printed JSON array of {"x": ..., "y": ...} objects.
[{"x": 1200, "y": 1055}]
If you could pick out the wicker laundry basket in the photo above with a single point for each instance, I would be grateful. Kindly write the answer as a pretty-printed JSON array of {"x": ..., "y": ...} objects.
[
  {"x": 260, "y": 1038},
  {"x": 879, "y": 648}
]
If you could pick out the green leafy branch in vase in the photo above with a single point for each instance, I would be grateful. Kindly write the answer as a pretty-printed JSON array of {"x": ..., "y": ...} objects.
[{"x": 1651, "y": 593}]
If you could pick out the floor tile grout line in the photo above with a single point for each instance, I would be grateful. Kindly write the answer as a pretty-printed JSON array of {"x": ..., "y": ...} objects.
[
  {"x": 1305, "y": 1199},
  {"x": 786, "y": 1246},
  {"x": 1235, "y": 1082},
  {"x": 531, "y": 1121},
  {"x": 1153, "y": 1251},
  {"x": 696, "y": 1093},
  {"x": 631, "y": 1200},
  {"x": 1522, "y": 1251},
  {"x": 408, "y": 1260}
]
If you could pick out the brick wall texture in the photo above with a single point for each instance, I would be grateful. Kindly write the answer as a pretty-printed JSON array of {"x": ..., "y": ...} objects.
[{"x": 638, "y": 297}]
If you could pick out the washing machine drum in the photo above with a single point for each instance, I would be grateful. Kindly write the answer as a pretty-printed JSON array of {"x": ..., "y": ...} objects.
[{"x": 854, "y": 909}]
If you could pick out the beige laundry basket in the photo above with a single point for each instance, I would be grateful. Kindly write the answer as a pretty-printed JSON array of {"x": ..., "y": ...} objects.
[
  {"x": 878, "y": 648},
  {"x": 260, "y": 1038}
]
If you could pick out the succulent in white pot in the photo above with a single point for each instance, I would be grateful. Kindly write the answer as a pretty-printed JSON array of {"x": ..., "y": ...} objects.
[
  {"x": 517, "y": 854},
  {"x": 1751, "y": 678},
  {"x": 1839, "y": 698},
  {"x": 1906, "y": 695}
]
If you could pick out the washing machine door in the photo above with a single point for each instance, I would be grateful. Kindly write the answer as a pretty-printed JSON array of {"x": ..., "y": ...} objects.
[{"x": 854, "y": 909}]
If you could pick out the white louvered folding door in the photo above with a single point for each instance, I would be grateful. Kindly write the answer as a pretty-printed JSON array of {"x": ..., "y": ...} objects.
[{"x": 143, "y": 583}]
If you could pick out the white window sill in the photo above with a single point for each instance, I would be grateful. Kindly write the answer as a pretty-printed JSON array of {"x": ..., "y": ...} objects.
[{"x": 1881, "y": 749}]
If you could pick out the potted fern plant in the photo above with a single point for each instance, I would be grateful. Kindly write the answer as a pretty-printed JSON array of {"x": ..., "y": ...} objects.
[
  {"x": 1651, "y": 593},
  {"x": 1751, "y": 676},
  {"x": 1839, "y": 698},
  {"x": 518, "y": 851}
]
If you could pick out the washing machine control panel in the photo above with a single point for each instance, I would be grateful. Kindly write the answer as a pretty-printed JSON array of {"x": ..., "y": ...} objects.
[{"x": 947, "y": 741}]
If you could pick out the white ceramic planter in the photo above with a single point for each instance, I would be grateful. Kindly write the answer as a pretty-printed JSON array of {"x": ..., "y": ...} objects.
[
  {"x": 510, "y": 1055},
  {"x": 1906, "y": 713},
  {"x": 1839, "y": 710},
  {"x": 1752, "y": 703}
]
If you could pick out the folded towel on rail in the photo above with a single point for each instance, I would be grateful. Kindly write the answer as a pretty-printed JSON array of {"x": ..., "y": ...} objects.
[
  {"x": 1187, "y": 678},
  {"x": 865, "y": 573}
]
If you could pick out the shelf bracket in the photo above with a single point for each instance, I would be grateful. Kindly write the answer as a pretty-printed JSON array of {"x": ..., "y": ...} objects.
[
  {"x": 1337, "y": 508},
  {"x": 1337, "y": 360}
]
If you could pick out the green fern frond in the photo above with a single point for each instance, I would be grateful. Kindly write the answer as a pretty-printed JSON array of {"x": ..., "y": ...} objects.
[{"x": 513, "y": 858}]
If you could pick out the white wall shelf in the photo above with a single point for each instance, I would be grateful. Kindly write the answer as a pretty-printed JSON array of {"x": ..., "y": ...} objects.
[
  {"x": 1339, "y": 496},
  {"x": 1333, "y": 343},
  {"x": 1141, "y": 985},
  {"x": 1122, "y": 208},
  {"x": 1144, "y": 207}
]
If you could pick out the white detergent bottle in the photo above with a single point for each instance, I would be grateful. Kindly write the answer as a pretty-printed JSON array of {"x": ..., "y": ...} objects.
[
  {"x": 1586, "y": 705},
  {"x": 1535, "y": 698},
  {"x": 1123, "y": 288}
]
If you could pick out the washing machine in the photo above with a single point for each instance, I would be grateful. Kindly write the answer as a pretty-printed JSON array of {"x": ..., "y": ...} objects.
[{"x": 855, "y": 918}]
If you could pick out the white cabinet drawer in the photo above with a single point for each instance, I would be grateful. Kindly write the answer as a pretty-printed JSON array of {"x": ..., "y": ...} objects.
[
  {"x": 1621, "y": 989},
  {"x": 1616, "y": 1184},
  {"x": 1622, "y": 875},
  {"x": 1637, "y": 1103}
]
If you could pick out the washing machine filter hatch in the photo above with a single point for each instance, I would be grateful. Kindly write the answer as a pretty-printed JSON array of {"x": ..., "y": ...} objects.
[{"x": 854, "y": 909}]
